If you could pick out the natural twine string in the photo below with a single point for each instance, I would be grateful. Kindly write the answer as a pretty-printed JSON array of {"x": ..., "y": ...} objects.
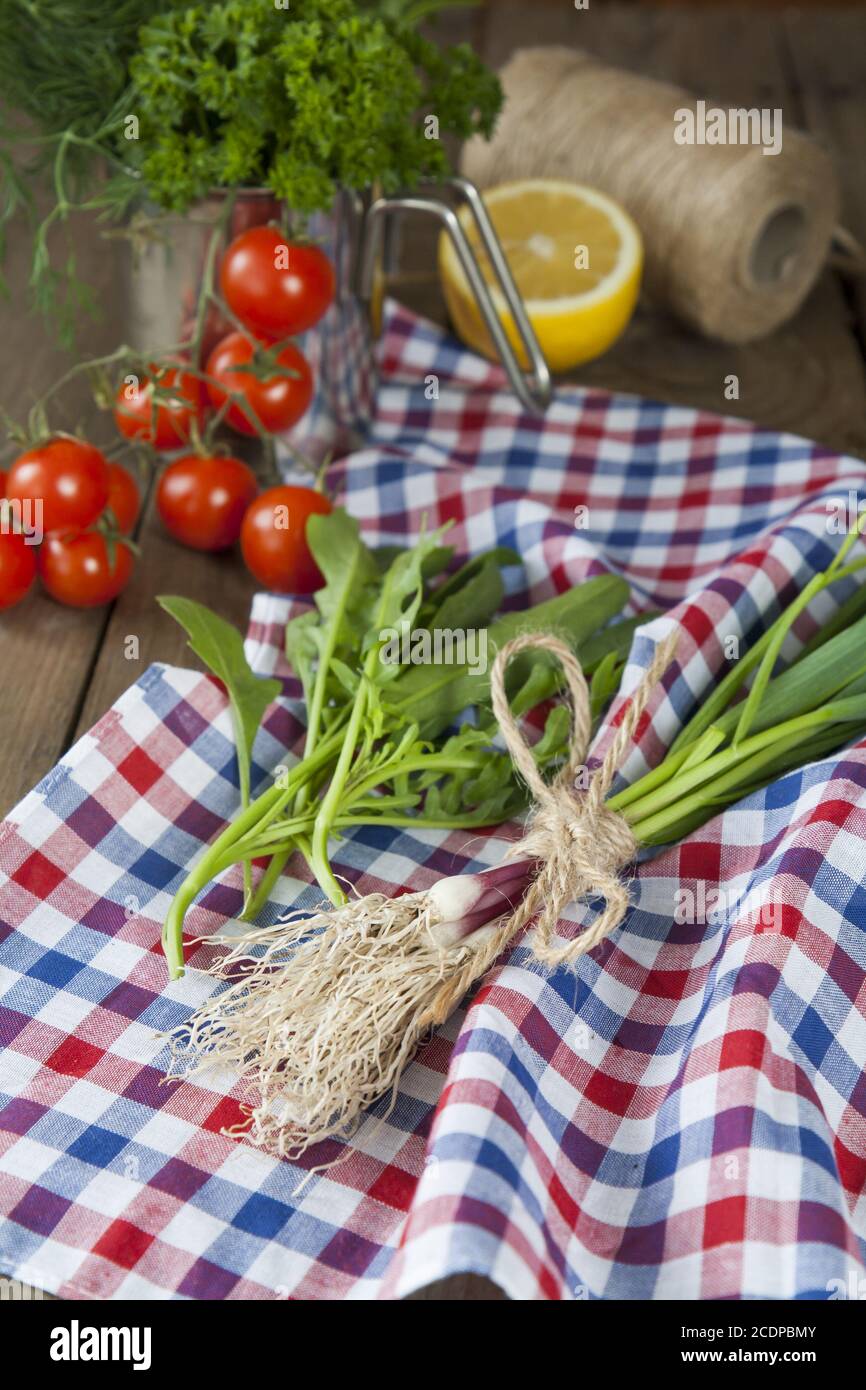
[
  {"x": 579, "y": 844},
  {"x": 734, "y": 238},
  {"x": 578, "y": 841}
]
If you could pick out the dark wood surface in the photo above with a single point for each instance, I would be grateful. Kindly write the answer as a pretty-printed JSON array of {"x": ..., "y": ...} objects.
[{"x": 60, "y": 670}]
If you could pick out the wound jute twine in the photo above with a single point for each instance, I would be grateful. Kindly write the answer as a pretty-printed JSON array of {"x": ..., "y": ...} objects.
[
  {"x": 323, "y": 1012},
  {"x": 734, "y": 238}
]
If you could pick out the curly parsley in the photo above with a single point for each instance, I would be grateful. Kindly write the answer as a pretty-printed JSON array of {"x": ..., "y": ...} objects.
[{"x": 298, "y": 100}]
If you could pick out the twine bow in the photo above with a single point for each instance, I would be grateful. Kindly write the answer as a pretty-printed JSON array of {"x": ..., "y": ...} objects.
[{"x": 579, "y": 843}]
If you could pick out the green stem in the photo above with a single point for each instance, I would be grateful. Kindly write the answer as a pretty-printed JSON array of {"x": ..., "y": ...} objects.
[
  {"x": 470, "y": 821},
  {"x": 275, "y": 868},
  {"x": 779, "y": 631},
  {"x": 206, "y": 291},
  {"x": 317, "y": 704},
  {"x": 834, "y": 570},
  {"x": 257, "y": 816},
  {"x": 653, "y": 816},
  {"x": 432, "y": 762},
  {"x": 661, "y": 828},
  {"x": 201, "y": 875},
  {"x": 330, "y": 804},
  {"x": 268, "y": 879},
  {"x": 721, "y": 697},
  {"x": 657, "y": 777},
  {"x": 257, "y": 843},
  {"x": 120, "y": 354}
]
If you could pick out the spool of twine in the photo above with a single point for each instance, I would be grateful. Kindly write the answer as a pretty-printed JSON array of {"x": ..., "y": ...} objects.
[{"x": 734, "y": 237}]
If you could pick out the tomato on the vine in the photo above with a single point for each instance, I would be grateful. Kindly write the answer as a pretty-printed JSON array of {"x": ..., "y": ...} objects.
[
  {"x": 277, "y": 402},
  {"x": 79, "y": 571},
  {"x": 124, "y": 501},
  {"x": 17, "y": 568},
  {"x": 165, "y": 424},
  {"x": 68, "y": 477},
  {"x": 276, "y": 287},
  {"x": 202, "y": 501},
  {"x": 274, "y": 543}
]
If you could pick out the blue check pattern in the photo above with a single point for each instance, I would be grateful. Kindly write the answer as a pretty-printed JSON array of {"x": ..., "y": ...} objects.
[{"x": 682, "y": 1116}]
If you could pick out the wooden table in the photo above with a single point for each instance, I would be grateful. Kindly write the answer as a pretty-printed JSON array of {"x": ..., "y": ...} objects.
[{"x": 60, "y": 669}]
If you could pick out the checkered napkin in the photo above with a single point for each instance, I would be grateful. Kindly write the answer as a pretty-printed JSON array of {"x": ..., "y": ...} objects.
[{"x": 682, "y": 1115}]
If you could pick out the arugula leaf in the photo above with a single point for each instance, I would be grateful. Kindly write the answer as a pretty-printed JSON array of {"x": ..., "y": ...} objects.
[
  {"x": 436, "y": 695},
  {"x": 400, "y": 598},
  {"x": 616, "y": 638},
  {"x": 475, "y": 583},
  {"x": 301, "y": 646},
  {"x": 348, "y": 568},
  {"x": 556, "y": 737},
  {"x": 344, "y": 603},
  {"x": 438, "y": 559},
  {"x": 221, "y": 648},
  {"x": 605, "y": 683}
]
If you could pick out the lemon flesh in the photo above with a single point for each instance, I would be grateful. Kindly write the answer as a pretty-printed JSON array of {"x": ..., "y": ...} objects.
[{"x": 576, "y": 257}]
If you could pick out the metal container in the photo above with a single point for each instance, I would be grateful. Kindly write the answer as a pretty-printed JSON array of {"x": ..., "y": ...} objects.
[{"x": 357, "y": 235}]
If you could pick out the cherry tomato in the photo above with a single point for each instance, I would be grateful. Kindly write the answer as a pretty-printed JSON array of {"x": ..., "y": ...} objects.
[
  {"x": 17, "y": 568},
  {"x": 276, "y": 288},
  {"x": 278, "y": 401},
  {"x": 273, "y": 539},
  {"x": 70, "y": 479},
  {"x": 172, "y": 426},
  {"x": 201, "y": 501},
  {"x": 76, "y": 570},
  {"x": 123, "y": 497}
]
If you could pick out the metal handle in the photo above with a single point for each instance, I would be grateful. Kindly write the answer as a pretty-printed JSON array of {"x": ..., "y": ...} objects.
[{"x": 533, "y": 391}]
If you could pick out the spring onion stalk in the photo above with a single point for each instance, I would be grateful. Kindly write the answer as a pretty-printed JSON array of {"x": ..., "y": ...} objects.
[{"x": 730, "y": 749}]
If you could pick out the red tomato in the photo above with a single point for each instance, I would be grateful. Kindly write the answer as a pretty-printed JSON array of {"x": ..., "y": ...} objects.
[
  {"x": 278, "y": 401},
  {"x": 201, "y": 501},
  {"x": 70, "y": 479},
  {"x": 172, "y": 426},
  {"x": 76, "y": 569},
  {"x": 273, "y": 539},
  {"x": 17, "y": 568},
  {"x": 276, "y": 287},
  {"x": 123, "y": 497}
]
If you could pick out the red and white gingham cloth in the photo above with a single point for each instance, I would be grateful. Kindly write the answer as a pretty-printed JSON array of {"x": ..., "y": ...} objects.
[{"x": 682, "y": 1115}]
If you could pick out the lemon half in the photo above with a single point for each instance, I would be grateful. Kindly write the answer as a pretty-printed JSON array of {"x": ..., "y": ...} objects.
[{"x": 576, "y": 257}]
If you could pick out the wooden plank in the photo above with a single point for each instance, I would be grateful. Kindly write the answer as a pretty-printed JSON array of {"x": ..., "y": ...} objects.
[
  {"x": 828, "y": 61},
  {"x": 806, "y": 377},
  {"x": 47, "y": 652},
  {"x": 61, "y": 668}
]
